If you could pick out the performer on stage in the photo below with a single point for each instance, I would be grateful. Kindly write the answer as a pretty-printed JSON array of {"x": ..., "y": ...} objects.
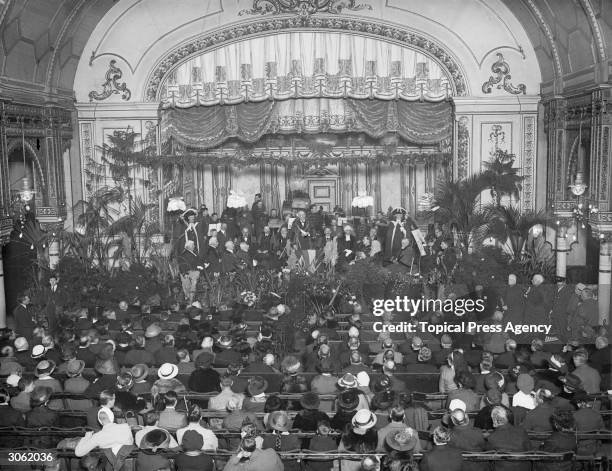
[
  {"x": 190, "y": 265},
  {"x": 347, "y": 246},
  {"x": 396, "y": 231},
  {"x": 406, "y": 260},
  {"x": 302, "y": 231},
  {"x": 194, "y": 231}
]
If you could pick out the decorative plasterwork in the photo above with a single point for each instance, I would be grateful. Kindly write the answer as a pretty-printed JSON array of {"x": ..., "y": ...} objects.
[
  {"x": 463, "y": 147},
  {"x": 549, "y": 36},
  {"x": 529, "y": 130},
  {"x": 588, "y": 8},
  {"x": 111, "y": 85},
  {"x": 502, "y": 78},
  {"x": 302, "y": 7},
  {"x": 400, "y": 36}
]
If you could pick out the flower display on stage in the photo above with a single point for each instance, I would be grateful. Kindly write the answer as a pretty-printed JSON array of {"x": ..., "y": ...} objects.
[
  {"x": 236, "y": 200},
  {"x": 248, "y": 297},
  {"x": 176, "y": 203},
  {"x": 362, "y": 200}
]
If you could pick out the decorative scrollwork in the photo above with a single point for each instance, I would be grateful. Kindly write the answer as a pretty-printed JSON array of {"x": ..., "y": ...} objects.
[
  {"x": 502, "y": 78},
  {"x": 302, "y": 7},
  {"x": 112, "y": 85}
]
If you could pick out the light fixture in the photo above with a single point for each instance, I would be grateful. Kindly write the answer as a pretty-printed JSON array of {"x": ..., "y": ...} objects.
[{"x": 579, "y": 187}]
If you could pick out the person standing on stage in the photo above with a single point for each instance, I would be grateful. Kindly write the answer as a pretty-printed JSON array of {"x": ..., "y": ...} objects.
[
  {"x": 396, "y": 231},
  {"x": 194, "y": 231},
  {"x": 302, "y": 231}
]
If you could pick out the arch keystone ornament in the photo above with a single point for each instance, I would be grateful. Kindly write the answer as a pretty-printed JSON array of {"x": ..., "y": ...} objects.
[
  {"x": 302, "y": 7},
  {"x": 112, "y": 85},
  {"x": 502, "y": 78}
]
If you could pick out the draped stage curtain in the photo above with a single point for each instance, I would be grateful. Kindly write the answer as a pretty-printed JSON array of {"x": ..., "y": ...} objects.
[
  {"x": 201, "y": 128},
  {"x": 305, "y": 65}
]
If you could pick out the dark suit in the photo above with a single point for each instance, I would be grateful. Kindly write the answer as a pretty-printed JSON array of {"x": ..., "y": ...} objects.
[
  {"x": 442, "y": 458},
  {"x": 229, "y": 262},
  {"x": 24, "y": 324},
  {"x": 509, "y": 438},
  {"x": 299, "y": 229},
  {"x": 344, "y": 246}
]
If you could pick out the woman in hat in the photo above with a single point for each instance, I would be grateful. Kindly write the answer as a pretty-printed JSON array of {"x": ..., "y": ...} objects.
[
  {"x": 279, "y": 438},
  {"x": 359, "y": 436},
  {"x": 396, "y": 231},
  {"x": 307, "y": 419},
  {"x": 192, "y": 458},
  {"x": 42, "y": 416},
  {"x": 148, "y": 457},
  {"x": 256, "y": 400},
  {"x": 167, "y": 381},
  {"x": 204, "y": 378}
]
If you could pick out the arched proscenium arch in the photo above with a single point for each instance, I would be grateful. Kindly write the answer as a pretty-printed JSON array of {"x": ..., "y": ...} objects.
[
  {"x": 377, "y": 30},
  {"x": 16, "y": 143}
]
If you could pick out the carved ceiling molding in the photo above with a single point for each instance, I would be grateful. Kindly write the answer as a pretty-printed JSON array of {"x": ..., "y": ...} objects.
[
  {"x": 401, "y": 36},
  {"x": 502, "y": 78},
  {"x": 112, "y": 86},
  {"x": 549, "y": 36},
  {"x": 601, "y": 49},
  {"x": 302, "y": 7}
]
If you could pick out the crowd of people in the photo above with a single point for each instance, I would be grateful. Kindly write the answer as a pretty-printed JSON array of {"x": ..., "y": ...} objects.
[{"x": 133, "y": 371}]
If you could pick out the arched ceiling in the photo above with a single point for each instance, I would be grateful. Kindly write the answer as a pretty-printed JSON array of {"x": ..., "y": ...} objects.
[{"x": 43, "y": 40}]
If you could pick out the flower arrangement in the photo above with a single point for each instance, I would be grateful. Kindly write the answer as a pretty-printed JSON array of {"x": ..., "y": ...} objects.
[
  {"x": 248, "y": 297},
  {"x": 175, "y": 204}
]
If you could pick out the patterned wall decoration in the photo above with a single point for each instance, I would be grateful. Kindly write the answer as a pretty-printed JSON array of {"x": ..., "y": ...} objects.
[
  {"x": 495, "y": 136},
  {"x": 501, "y": 79},
  {"x": 603, "y": 169},
  {"x": 529, "y": 133},
  {"x": 463, "y": 147},
  {"x": 112, "y": 86},
  {"x": 87, "y": 146},
  {"x": 559, "y": 159},
  {"x": 302, "y": 7}
]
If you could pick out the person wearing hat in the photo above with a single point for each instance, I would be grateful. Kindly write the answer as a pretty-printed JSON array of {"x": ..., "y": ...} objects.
[
  {"x": 225, "y": 353},
  {"x": 251, "y": 458},
  {"x": 204, "y": 378},
  {"x": 194, "y": 231},
  {"x": 76, "y": 384},
  {"x": 152, "y": 341},
  {"x": 589, "y": 376},
  {"x": 325, "y": 382},
  {"x": 84, "y": 353},
  {"x": 256, "y": 400},
  {"x": 43, "y": 372},
  {"x": 167, "y": 374},
  {"x": 383, "y": 401},
  {"x": 465, "y": 391},
  {"x": 293, "y": 379},
  {"x": 21, "y": 402},
  {"x": 464, "y": 436},
  {"x": 41, "y": 416},
  {"x": 402, "y": 443},
  {"x": 586, "y": 419},
  {"x": 347, "y": 404},
  {"x": 507, "y": 438},
  {"x": 444, "y": 456},
  {"x": 397, "y": 230},
  {"x": 22, "y": 353},
  {"x": 279, "y": 438},
  {"x": 359, "y": 436},
  {"x": 310, "y": 415},
  {"x": 424, "y": 362},
  {"x": 148, "y": 457},
  {"x": 150, "y": 420},
  {"x": 141, "y": 385},
  {"x": 192, "y": 458}
]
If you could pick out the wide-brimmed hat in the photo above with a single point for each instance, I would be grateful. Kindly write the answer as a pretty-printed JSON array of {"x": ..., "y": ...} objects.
[
  {"x": 192, "y": 441},
  {"x": 257, "y": 385},
  {"x": 457, "y": 404},
  {"x": 402, "y": 440},
  {"x": 279, "y": 420},
  {"x": 572, "y": 382},
  {"x": 139, "y": 372},
  {"x": 40, "y": 395},
  {"x": 106, "y": 367},
  {"x": 225, "y": 342},
  {"x": 187, "y": 213},
  {"x": 153, "y": 331},
  {"x": 75, "y": 367},
  {"x": 204, "y": 360},
  {"x": 38, "y": 351},
  {"x": 348, "y": 380},
  {"x": 290, "y": 364},
  {"x": 401, "y": 211},
  {"x": 45, "y": 367},
  {"x": 363, "y": 420},
  {"x": 154, "y": 438},
  {"x": 310, "y": 400},
  {"x": 167, "y": 371},
  {"x": 348, "y": 400}
]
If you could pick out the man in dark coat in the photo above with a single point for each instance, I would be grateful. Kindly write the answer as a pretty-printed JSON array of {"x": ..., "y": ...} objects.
[
  {"x": 303, "y": 232},
  {"x": 537, "y": 305},
  {"x": 55, "y": 300},
  {"x": 508, "y": 438},
  {"x": 194, "y": 231},
  {"x": 204, "y": 378},
  {"x": 396, "y": 231},
  {"x": 212, "y": 259},
  {"x": 444, "y": 456},
  {"x": 229, "y": 261},
  {"x": 559, "y": 309},
  {"x": 513, "y": 301},
  {"x": 347, "y": 246},
  {"x": 24, "y": 318}
]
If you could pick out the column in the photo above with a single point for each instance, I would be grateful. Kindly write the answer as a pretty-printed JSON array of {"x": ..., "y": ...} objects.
[
  {"x": 603, "y": 285},
  {"x": 562, "y": 249},
  {"x": 2, "y": 294}
]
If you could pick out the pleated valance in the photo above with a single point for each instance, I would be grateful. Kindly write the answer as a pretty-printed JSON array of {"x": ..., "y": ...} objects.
[
  {"x": 203, "y": 128},
  {"x": 306, "y": 65}
]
